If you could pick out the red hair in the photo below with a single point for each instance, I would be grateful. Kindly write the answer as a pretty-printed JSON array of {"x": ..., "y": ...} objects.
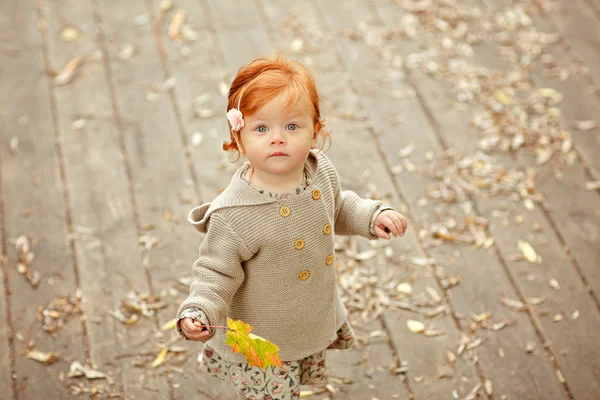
[{"x": 263, "y": 79}]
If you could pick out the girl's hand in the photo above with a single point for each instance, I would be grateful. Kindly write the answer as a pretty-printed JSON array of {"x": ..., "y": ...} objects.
[
  {"x": 395, "y": 223},
  {"x": 193, "y": 329}
]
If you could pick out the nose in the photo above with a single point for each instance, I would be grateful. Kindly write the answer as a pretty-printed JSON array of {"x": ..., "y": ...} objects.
[{"x": 277, "y": 137}]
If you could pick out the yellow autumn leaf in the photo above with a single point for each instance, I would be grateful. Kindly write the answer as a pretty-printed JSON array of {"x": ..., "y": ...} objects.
[
  {"x": 160, "y": 358},
  {"x": 528, "y": 252},
  {"x": 167, "y": 326},
  {"x": 502, "y": 97},
  {"x": 415, "y": 326},
  {"x": 258, "y": 351}
]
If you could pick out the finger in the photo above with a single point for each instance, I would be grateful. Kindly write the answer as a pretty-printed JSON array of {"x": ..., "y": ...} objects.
[
  {"x": 398, "y": 225},
  {"x": 187, "y": 324},
  {"x": 404, "y": 222},
  {"x": 379, "y": 232},
  {"x": 189, "y": 328},
  {"x": 389, "y": 224},
  {"x": 198, "y": 324},
  {"x": 198, "y": 336}
]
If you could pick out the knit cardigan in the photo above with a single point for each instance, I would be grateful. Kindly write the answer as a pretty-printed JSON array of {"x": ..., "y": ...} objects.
[{"x": 270, "y": 262}]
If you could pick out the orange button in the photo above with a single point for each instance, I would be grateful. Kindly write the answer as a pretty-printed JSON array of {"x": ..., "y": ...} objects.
[
  {"x": 329, "y": 259},
  {"x": 285, "y": 211},
  {"x": 327, "y": 229},
  {"x": 304, "y": 275},
  {"x": 316, "y": 194},
  {"x": 299, "y": 244}
]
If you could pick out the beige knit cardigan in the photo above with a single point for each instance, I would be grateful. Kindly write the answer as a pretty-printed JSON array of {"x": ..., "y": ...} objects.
[{"x": 270, "y": 262}]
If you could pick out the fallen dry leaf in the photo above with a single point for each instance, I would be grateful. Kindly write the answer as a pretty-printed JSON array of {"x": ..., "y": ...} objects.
[
  {"x": 176, "y": 23},
  {"x": 68, "y": 72},
  {"x": 160, "y": 358},
  {"x": 170, "y": 325},
  {"x": 529, "y": 253},
  {"x": 77, "y": 370},
  {"x": 70, "y": 34},
  {"x": 415, "y": 326},
  {"x": 404, "y": 288},
  {"x": 592, "y": 185},
  {"x": 514, "y": 304},
  {"x": 585, "y": 126},
  {"x": 46, "y": 358}
]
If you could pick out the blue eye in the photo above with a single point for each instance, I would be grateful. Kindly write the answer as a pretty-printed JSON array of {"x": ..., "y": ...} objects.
[
  {"x": 262, "y": 129},
  {"x": 292, "y": 127}
]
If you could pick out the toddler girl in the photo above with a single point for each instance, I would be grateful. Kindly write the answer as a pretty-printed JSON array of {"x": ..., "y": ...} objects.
[{"x": 268, "y": 254}]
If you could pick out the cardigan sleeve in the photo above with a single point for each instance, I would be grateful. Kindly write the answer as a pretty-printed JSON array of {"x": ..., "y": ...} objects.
[
  {"x": 353, "y": 214},
  {"x": 218, "y": 271}
]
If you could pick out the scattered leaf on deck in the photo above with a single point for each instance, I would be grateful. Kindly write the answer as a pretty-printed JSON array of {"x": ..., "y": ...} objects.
[
  {"x": 14, "y": 145},
  {"x": 167, "y": 326},
  {"x": 586, "y": 125},
  {"x": 488, "y": 387},
  {"x": 68, "y": 72},
  {"x": 406, "y": 151},
  {"x": 77, "y": 370},
  {"x": 176, "y": 23},
  {"x": 160, "y": 358},
  {"x": 592, "y": 185},
  {"x": 127, "y": 51},
  {"x": 404, "y": 288},
  {"x": 473, "y": 393},
  {"x": 78, "y": 124},
  {"x": 514, "y": 304},
  {"x": 530, "y": 347},
  {"x": 415, "y": 326},
  {"x": 46, "y": 358},
  {"x": 557, "y": 318},
  {"x": 528, "y": 252},
  {"x": 70, "y": 34}
]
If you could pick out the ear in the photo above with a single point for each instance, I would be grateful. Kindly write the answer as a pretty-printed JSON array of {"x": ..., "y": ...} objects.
[
  {"x": 237, "y": 137},
  {"x": 315, "y": 135}
]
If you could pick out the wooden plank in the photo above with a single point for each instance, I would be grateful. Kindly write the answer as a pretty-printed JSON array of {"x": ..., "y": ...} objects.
[
  {"x": 106, "y": 233},
  {"x": 360, "y": 166},
  {"x": 472, "y": 295},
  {"x": 438, "y": 99},
  {"x": 34, "y": 204}
]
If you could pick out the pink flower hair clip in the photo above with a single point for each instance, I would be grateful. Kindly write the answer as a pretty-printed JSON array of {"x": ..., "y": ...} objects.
[{"x": 235, "y": 117}]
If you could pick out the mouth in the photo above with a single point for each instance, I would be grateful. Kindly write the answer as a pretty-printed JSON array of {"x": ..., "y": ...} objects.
[{"x": 278, "y": 154}]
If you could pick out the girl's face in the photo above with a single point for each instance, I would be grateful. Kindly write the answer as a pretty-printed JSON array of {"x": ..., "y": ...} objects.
[{"x": 277, "y": 139}]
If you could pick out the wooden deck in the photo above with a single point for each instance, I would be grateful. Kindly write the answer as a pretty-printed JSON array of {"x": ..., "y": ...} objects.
[{"x": 448, "y": 112}]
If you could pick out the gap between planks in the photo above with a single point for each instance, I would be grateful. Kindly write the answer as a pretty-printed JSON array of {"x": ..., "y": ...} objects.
[{"x": 7, "y": 306}]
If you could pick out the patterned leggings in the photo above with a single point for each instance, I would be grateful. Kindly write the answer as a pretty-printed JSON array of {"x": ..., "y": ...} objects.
[{"x": 275, "y": 383}]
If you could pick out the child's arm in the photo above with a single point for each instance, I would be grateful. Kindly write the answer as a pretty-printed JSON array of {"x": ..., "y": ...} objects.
[
  {"x": 353, "y": 214},
  {"x": 218, "y": 271}
]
